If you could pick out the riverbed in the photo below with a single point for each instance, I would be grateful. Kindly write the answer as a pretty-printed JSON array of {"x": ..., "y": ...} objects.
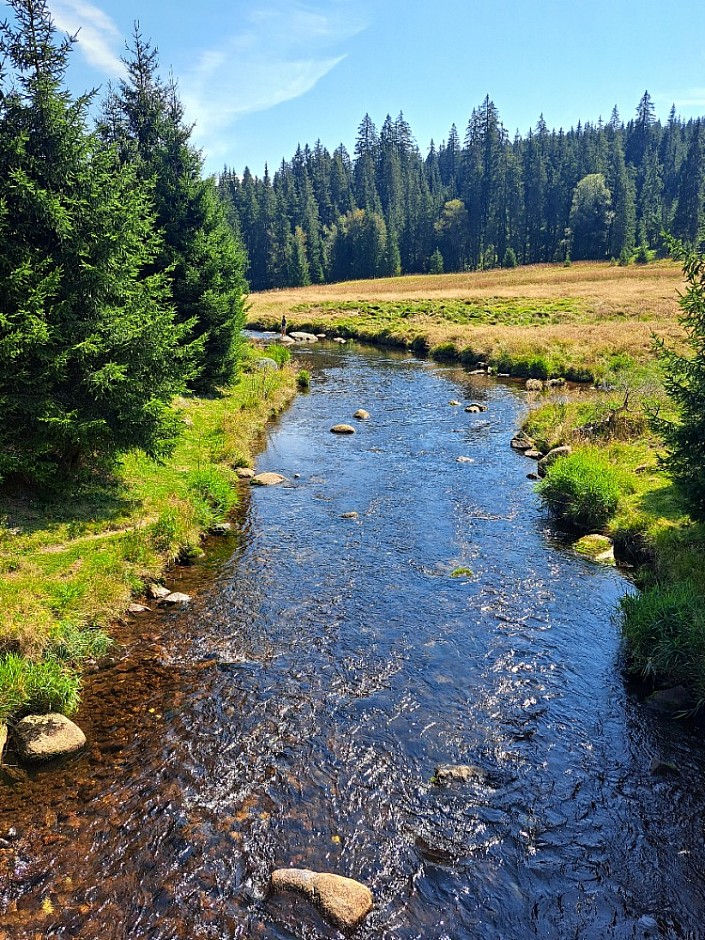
[{"x": 294, "y": 715}]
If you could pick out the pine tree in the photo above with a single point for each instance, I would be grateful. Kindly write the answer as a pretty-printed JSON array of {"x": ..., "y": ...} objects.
[
  {"x": 89, "y": 353},
  {"x": 200, "y": 252}
]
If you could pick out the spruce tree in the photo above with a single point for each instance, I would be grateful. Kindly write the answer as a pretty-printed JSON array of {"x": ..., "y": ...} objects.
[
  {"x": 203, "y": 259},
  {"x": 89, "y": 353}
]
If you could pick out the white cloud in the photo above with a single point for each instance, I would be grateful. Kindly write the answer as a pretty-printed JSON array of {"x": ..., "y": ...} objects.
[
  {"x": 98, "y": 36},
  {"x": 690, "y": 99},
  {"x": 280, "y": 54}
]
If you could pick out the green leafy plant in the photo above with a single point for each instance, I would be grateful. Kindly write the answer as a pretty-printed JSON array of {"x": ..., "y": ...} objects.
[{"x": 582, "y": 489}]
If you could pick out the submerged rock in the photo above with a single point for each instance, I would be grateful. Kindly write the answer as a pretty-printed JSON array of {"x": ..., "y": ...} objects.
[
  {"x": 675, "y": 701},
  {"x": 341, "y": 900},
  {"x": 663, "y": 768},
  {"x": 361, "y": 414},
  {"x": 267, "y": 479},
  {"x": 460, "y": 773},
  {"x": 342, "y": 429},
  {"x": 552, "y": 456},
  {"x": 349, "y": 515},
  {"x": 44, "y": 737}
]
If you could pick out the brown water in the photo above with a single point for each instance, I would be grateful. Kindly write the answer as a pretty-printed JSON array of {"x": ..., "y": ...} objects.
[{"x": 295, "y": 713}]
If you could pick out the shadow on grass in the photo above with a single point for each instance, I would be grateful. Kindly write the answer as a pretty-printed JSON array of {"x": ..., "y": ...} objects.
[{"x": 100, "y": 499}]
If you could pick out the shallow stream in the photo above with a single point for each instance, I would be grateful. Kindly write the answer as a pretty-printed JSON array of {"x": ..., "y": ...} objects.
[{"x": 295, "y": 714}]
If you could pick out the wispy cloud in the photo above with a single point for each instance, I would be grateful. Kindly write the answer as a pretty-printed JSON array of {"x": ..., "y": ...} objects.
[
  {"x": 279, "y": 54},
  {"x": 98, "y": 36}
]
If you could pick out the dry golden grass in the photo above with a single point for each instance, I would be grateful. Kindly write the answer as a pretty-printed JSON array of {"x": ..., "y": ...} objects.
[{"x": 621, "y": 309}]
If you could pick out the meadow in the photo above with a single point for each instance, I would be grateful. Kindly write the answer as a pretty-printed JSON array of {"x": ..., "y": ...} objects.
[{"x": 540, "y": 320}]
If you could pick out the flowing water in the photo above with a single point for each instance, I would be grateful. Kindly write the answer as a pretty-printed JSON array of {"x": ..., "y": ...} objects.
[{"x": 295, "y": 714}]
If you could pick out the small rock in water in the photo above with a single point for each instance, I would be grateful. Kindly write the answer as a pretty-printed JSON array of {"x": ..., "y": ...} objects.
[
  {"x": 464, "y": 460},
  {"x": 533, "y": 453},
  {"x": 361, "y": 414},
  {"x": 663, "y": 767},
  {"x": 349, "y": 515},
  {"x": 244, "y": 473},
  {"x": 453, "y": 402},
  {"x": 342, "y": 429},
  {"x": 320, "y": 335},
  {"x": 221, "y": 528},
  {"x": 176, "y": 599},
  {"x": 522, "y": 441},
  {"x": 341, "y": 900},
  {"x": 462, "y": 773},
  {"x": 44, "y": 737},
  {"x": 532, "y": 476},
  {"x": 339, "y": 339},
  {"x": 157, "y": 591},
  {"x": 267, "y": 479},
  {"x": 475, "y": 409},
  {"x": 137, "y": 609},
  {"x": 302, "y": 337}
]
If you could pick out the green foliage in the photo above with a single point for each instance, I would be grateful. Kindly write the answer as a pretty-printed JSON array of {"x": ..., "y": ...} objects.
[
  {"x": 685, "y": 384},
  {"x": 214, "y": 488},
  {"x": 582, "y": 489},
  {"x": 303, "y": 379},
  {"x": 665, "y": 629},
  {"x": 435, "y": 263},
  {"x": 90, "y": 356},
  {"x": 280, "y": 354},
  {"x": 200, "y": 253},
  {"x": 510, "y": 258},
  {"x": 590, "y": 217},
  {"x": 44, "y": 686}
]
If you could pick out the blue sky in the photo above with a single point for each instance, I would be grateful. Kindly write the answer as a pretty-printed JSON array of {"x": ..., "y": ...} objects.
[{"x": 259, "y": 77}]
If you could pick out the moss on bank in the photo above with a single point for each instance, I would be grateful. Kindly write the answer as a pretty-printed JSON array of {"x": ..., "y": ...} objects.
[{"x": 71, "y": 562}]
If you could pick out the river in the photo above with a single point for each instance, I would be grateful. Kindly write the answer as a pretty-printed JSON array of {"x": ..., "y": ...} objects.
[{"x": 296, "y": 712}]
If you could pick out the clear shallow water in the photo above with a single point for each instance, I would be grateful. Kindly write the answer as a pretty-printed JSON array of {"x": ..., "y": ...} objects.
[{"x": 296, "y": 713}]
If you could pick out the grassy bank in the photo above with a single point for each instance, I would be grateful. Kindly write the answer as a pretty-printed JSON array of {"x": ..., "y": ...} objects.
[
  {"x": 537, "y": 321},
  {"x": 612, "y": 483},
  {"x": 71, "y": 562}
]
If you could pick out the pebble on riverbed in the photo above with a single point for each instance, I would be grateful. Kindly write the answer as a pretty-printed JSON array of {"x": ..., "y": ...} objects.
[{"x": 341, "y": 900}]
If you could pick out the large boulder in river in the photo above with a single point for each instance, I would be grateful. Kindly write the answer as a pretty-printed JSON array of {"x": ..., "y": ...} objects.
[
  {"x": 341, "y": 900},
  {"x": 551, "y": 457},
  {"x": 44, "y": 737},
  {"x": 302, "y": 337}
]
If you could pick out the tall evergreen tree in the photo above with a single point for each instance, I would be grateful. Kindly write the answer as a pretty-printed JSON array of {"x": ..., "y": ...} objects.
[
  {"x": 205, "y": 263},
  {"x": 89, "y": 353}
]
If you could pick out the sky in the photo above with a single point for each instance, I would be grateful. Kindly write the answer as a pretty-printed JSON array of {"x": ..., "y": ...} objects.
[{"x": 258, "y": 78}]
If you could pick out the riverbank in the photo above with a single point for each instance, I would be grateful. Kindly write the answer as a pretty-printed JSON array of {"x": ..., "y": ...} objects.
[
  {"x": 613, "y": 484},
  {"x": 72, "y": 562},
  {"x": 537, "y": 321}
]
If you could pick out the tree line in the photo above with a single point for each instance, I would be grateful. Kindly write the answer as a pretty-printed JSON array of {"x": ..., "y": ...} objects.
[
  {"x": 597, "y": 191},
  {"x": 122, "y": 283}
]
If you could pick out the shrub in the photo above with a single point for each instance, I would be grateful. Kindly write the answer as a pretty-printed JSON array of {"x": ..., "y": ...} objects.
[
  {"x": 280, "y": 354},
  {"x": 510, "y": 258},
  {"x": 303, "y": 379},
  {"x": 582, "y": 489},
  {"x": 665, "y": 629}
]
